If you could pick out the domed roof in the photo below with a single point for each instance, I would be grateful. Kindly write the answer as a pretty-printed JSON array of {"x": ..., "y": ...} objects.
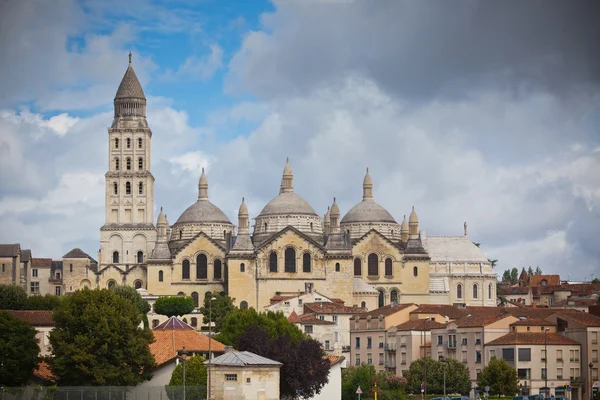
[
  {"x": 203, "y": 211},
  {"x": 368, "y": 211},
  {"x": 162, "y": 218},
  {"x": 287, "y": 203},
  {"x": 130, "y": 85}
]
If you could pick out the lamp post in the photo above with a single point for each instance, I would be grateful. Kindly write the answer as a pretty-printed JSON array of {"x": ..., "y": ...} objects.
[
  {"x": 546, "y": 362},
  {"x": 208, "y": 394},
  {"x": 590, "y": 380},
  {"x": 443, "y": 360},
  {"x": 183, "y": 352}
]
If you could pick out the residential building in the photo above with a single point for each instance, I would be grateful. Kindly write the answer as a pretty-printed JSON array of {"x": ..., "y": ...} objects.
[
  {"x": 56, "y": 278},
  {"x": 39, "y": 276},
  {"x": 10, "y": 264},
  {"x": 413, "y": 341},
  {"x": 438, "y": 312},
  {"x": 319, "y": 329},
  {"x": 43, "y": 323},
  {"x": 288, "y": 303},
  {"x": 333, "y": 388}
]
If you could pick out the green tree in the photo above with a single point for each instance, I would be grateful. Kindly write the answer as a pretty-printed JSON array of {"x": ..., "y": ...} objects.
[
  {"x": 18, "y": 350},
  {"x": 12, "y": 297},
  {"x": 132, "y": 295},
  {"x": 46, "y": 302},
  {"x": 415, "y": 375},
  {"x": 595, "y": 280},
  {"x": 457, "y": 377},
  {"x": 221, "y": 307},
  {"x": 506, "y": 276},
  {"x": 538, "y": 271},
  {"x": 514, "y": 275},
  {"x": 174, "y": 306},
  {"x": 390, "y": 386},
  {"x": 500, "y": 377},
  {"x": 195, "y": 379},
  {"x": 97, "y": 341},
  {"x": 530, "y": 271},
  {"x": 355, "y": 376}
]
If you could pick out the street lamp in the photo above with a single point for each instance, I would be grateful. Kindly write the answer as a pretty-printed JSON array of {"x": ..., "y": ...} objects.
[
  {"x": 209, "y": 343},
  {"x": 546, "y": 361},
  {"x": 590, "y": 380},
  {"x": 183, "y": 353},
  {"x": 443, "y": 360}
]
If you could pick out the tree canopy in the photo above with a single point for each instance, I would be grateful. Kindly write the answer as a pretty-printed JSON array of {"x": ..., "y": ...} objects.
[
  {"x": 131, "y": 294},
  {"x": 97, "y": 341},
  {"x": 174, "y": 306},
  {"x": 18, "y": 350},
  {"x": 500, "y": 377},
  {"x": 457, "y": 376},
  {"x": 195, "y": 379},
  {"x": 12, "y": 297},
  {"x": 46, "y": 302},
  {"x": 221, "y": 307},
  {"x": 352, "y": 377}
]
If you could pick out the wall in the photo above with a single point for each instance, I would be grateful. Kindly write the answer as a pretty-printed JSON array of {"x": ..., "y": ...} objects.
[
  {"x": 332, "y": 389},
  {"x": 264, "y": 381}
]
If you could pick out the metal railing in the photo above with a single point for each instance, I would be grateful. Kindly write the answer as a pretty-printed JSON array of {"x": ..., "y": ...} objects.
[{"x": 103, "y": 393}]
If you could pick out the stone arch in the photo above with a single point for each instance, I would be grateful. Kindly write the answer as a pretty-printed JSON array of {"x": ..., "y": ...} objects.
[
  {"x": 244, "y": 305},
  {"x": 459, "y": 291},
  {"x": 273, "y": 261},
  {"x": 201, "y": 266},
  {"x": 475, "y": 291},
  {"x": 115, "y": 242},
  {"x": 85, "y": 283},
  {"x": 185, "y": 269},
  {"x": 306, "y": 262},
  {"x": 290, "y": 254},
  {"x": 394, "y": 295},
  {"x": 381, "y": 297},
  {"x": 373, "y": 264},
  {"x": 389, "y": 266},
  {"x": 111, "y": 283},
  {"x": 195, "y": 298},
  {"x": 357, "y": 266},
  {"x": 217, "y": 269},
  {"x": 138, "y": 284}
]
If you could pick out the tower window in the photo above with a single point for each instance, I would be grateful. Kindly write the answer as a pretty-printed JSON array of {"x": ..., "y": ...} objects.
[
  {"x": 373, "y": 267},
  {"x": 273, "y": 262},
  {"x": 265, "y": 226},
  {"x": 459, "y": 291},
  {"x": 475, "y": 291},
  {"x": 185, "y": 269},
  {"x": 195, "y": 298},
  {"x": 137, "y": 284},
  {"x": 217, "y": 269},
  {"x": 306, "y": 262},
  {"x": 140, "y": 257},
  {"x": 337, "y": 267},
  {"x": 139, "y": 143},
  {"x": 128, "y": 141},
  {"x": 140, "y": 163},
  {"x": 416, "y": 271},
  {"x": 115, "y": 257},
  {"x": 357, "y": 267},
  {"x": 201, "y": 267},
  {"x": 115, "y": 188},
  {"x": 140, "y": 188},
  {"x": 394, "y": 296},
  {"x": 290, "y": 260},
  {"x": 128, "y": 165},
  {"x": 116, "y": 143},
  {"x": 127, "y": 187},
  {"x": 244, "y": 305},
  {"x": 388, "y": 267},
  {"x": 160, "y": 276},
  {"x": 490, "y": 291},
  {"x": 242, "y": 267},
  {"x": 116, "y": 164}
]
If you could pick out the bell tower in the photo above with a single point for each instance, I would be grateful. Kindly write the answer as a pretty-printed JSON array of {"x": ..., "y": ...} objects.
[{"x": 128, "y": 235}]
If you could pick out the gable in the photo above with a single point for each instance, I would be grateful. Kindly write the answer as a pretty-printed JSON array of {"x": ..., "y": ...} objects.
[
  {"x": 290, "y": 236},
  {"x": 373, "y": 241},
  {"x": 199, "y": 243}
]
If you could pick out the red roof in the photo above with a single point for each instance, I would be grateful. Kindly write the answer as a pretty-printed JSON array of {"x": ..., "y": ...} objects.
[
  {"x": 385, "y": 310},
  {"x": 311, "y": 319},
  {"x": 41, "y": 262},
  {"x": 551, "y": 280},
  {"x": 582, "y": 318},
  {"x": 475, "y": 321},
  {"x": 293, "y": 318},
  {"x": 323, "y": 307},
  {"x": 333, "y": 360},
  {"x": 445, "y": 310},
  {"x": 533, "y": 338},
  {"x": 276, "y": 299},
  {"x": 420, "y": 325},
  {"x": 34, "y": 317},
  {"x": 532, "y": 322},
  {"x": 42, "y": 371}
]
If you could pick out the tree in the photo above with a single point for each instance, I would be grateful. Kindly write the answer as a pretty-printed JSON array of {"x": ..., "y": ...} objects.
[
  {"x": 506, "y": 276},
  {"x": 390, "y": 386},
  {"x": 12, "y": 297},
  {"x": 500, "y": 377},
  {"x": 132, "y": 295},
  {"x": 458, "y": 379},
  {"x": 514, "y": 275},
  {"x": 18, "y": 350},
  {"x": 221, "y": 307},
  {"x": 97, "y": 341},
  {"x": 457, "y": 376},
  {"x": 353, "y": 377},
  {"x": 195, "y": 379},
  {"x": 174, "y": 306},
  {"x": 530, "y": 271},
  {"x": 538, "y": 271},
  {"x": 595, "y": 280},
  {"x": 46, "y": 302},
  {"x": 304, "y": 371}
]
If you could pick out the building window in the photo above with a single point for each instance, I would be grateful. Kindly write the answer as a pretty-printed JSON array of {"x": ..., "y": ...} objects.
[
  {"x": 217, "y": 268},
  {"x": 416, "y": 271},
  {"x": 116, "y": 143},
  {"x": 327, "y": 345},
  {"x": 357, "y": 267},
  {"x": 369, "y": 358},
  {"x": 231, "y": 377},
  {"x": 393, "y": 296},
  {"x": 242, "y": 267},
  {"x": 244, "y": 305},
  {"x": 201, "y": 267},
  {"x": 160, "y": 276},
  {"x": 369, "y": 342},
  {"x": 195, "y": 298},
  {"x": 543, "y": 373},
  {"x": 363, "y": 304},
  {"x": 154, "y": 323},
  {"x": 137, "y": 284},
  {"x": 308, "y": 329},
  {"x": 57, "y": 290},
  {"x": 475, "y": 291},
  {"x": 185, "y": 269},
  {"x": 478, "y": 357},
  {"x": 490, "y": 291},
  {"x": 128, "y": 164},
  {"x": 3, "y": 268},
  {"x": 127, "y": 187},
  {"x": 115, "y": 188},
  {"x": 140, "y": 188},
  {"x": 373, "y": 265},
  {"x": 273, "y": 262},
  {"x": 357, "y": 359},
  {"x": 381, "y": 299},
  {"x": 337, "y": 267},
  {"x": 140, "y": 163},
  {"x": 115, "y": 257},
  {"x": 508, "y": 354},
  {"x": 117, "y": 163},
  {"x": 459, "y": 291},
  {"x": 306, "y": 262},
  {"x": 180, "y": 294},
  {"x": 388, "y": 267},
  {"x": 35, "y": 287},
  {"x": 290, "y": 260},
  {"x": 140, "y": 257},
  {"x": 440, "y": 340},
  {"x": 194, "y": 319},
  {"x": 357, "y": 343},
  {"x": 524, "y": 373},
  {"x": 128, "y": 141},
  {"x": 34, "y": 272},
  {"x": 139, "y": 143}
]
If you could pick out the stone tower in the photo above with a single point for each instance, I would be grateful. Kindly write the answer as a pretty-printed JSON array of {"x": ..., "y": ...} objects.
[{"x": 128, "y": 235}]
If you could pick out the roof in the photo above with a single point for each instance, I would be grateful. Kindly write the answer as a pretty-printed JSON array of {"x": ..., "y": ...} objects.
[
  {"x": 582, "y": 318},
  {"x": 532, "y": 338},
  {"x": 130, "y": 85},
  {"x": 367, "y": 211},
  {"x": 41, "y": 262},
  {"x": 453, "y": 248},
  {"x": 279, "y": 298},
  {"x": 518, "y": 290},
  {"x": 77, "y": 253},
  {"x": 311, "y": 319},
  {"x": 385, "y": 310},
  {"x": 42, "y": 371},
  {"x": 9, "y": 250},
  {"x": 242, "y": 359},
  {"x": 420, "y": 325},
  {"x": 445, "y": 310},
  {"x": 203, "y": 211},
  {"x": 551, "y": 280},
  {"x": 293, "y": 318},
  {"x": 34, "y": 317},
  {"x": 532, "y": 322},
  {"x": 333, "y": 360},
  {"x": 360, "y": 286},
  {"x": 475, "y": 321},
  {"x": 287, "y": 203},
  {"x": 25, "y": 254},
  {"x": 172, "y": 336},
  {"x": 323, "y": 307}
]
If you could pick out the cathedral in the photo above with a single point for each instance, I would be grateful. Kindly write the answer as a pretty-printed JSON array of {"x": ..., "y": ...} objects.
[{"x": 364, "y": 257}]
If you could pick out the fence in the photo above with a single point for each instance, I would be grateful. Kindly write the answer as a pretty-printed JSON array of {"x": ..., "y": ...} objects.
[{"x": 103, "y": 393}]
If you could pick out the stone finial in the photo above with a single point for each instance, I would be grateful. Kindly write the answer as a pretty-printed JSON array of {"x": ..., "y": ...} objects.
[
  {"x": 129, "y": 57},
  {"x": 413, "y": 223},
  {"x": 287, "y": 180},
  {"x": 334, "y": 216},
  {"x": 465, "y": 226},
  {"x": 243, "y": 226},
  {"x": 367, "y": 187},
  {"x": 203, "y": 187}
]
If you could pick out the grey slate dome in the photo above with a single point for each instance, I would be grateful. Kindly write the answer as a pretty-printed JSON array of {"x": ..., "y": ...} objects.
[
  {"x": 287, "y": 203},
  {"x": 203, "y": 211},
  {"x": 368, "y": 211}
]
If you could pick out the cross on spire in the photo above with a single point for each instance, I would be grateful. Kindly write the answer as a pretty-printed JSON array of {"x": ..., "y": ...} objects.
[{"x": 129, "y": 57}]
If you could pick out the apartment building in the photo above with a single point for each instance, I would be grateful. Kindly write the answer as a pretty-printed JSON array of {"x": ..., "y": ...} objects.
[
  {"x": 370, "y": 342},
  {"x": 319, "y": 329},
  {"x": 439, "y": 312},
  {"x": 295, "y": 303},
  {"x": 40, "y": 276},
  {"x": 413, "y": 341}
]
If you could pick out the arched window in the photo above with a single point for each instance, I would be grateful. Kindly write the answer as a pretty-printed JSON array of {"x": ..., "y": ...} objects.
[
  {"x": 416, "y": 271},
  {"x": 128, "y": 141},
  {"x": 111, "y": 284},
  {"x": 116, "y": 143},
  {"x": 394, "y": 296},
  {"x": 195, "y": 298},
  {"x": 154, "y": 323},
  {"x": 116, "y": 188},
  {"x": 475, "y": 291},
  {"x": 140, "y": 188},
  {"x": 180, "y": 294},
  {"x": 373, "y": 268},
  {"x": 160, "y": 276},
  {"x": 244, "y": 305},
  {"x": 140, "y": 257},
  {"x": 140, "y": 163},
  {"x": 290, "y": 260},
  {"x": 137, "y": 284},
  {"x": 194, "y": 322},
  {"x": 357, "y": 267},
  {"x": 185, "y": 269},
  {"x": 180, "y": 234},
  {"x": 459, "y": 291},
  {"x": 363, "y": 304},
  {"x": 273, "y": 262},
  {"x": 381, "y": 299},
  {"x": 490, "y": 291},
  {"x": 201, "y": 267},
  {"x": 115, "y": 257},
  {"x": 139, "y": 143},
  {"x": 388, "y": 267},
  {"x": 265, "y": 226},
  {"x": 117, "y": 163},
  {"x": 127, "y": 187},
  {"x": 337, "y": 267},
  {"x": 218, "y": 269},
  {"x": 306, "y": 262},
  {"x": 311, "y": 226},
  {"x": 128, "y": 164},
  {"x": 242, "y": 267}
]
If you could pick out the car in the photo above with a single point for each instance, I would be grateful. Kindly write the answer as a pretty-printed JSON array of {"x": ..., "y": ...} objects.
[
  {"x": 520, "y": 398},
  {"x": 440, "y": 398},
  {"x": 460, "y": 398}
]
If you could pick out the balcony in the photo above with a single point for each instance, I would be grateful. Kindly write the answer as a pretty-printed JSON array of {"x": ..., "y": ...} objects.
[
  {"x": 559, "y": 376},
  {"x": 345, "y": 349},
  {"x": 402, "y": 344},
  {"x": 594, "y": 341},
  {"x": 381, "y": 345},
  {"x": 390, "y": 347},
  {"x": 403, "y": 362},
  {"x": 559, "y": 360},
  {"x": 450, "y": 345},
  {"x": 390, "y": 365}
]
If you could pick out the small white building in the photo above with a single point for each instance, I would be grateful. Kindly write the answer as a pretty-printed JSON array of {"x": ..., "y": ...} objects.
[{"x": 333, "y": 389}]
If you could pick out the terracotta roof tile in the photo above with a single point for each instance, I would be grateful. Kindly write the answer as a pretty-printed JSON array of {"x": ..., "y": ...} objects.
[
  {"x": 473, "y": 321},
  {"x": 441, "y": 309},
  {"x": 535, "y": 280},
  {"x": 532, "y": 338},
  {"x": 333, "y": 360},
  {"x": 583, "y": 318},
  {"x": 532, "y": 322},
  {"x": 311, "y": 319},
  {"x": 34, "y": 317},
  {"x": 276, "y": 299},
  {"x": 323, "y": 307},
  {"x": 420, "y": 325},
  {"x": 41, "y": 262},
  {"x": 293, "y": 318},
  {"x": 43, "y": 372},
  {"x": 385, "y": 310}
]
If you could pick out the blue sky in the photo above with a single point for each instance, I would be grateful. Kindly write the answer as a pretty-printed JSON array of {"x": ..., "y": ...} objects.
[{"x": 481, "y": 112}]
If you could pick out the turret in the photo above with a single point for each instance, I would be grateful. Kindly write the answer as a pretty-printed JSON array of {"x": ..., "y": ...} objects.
[
  {"x": 203, "y": 187},
  {"x": 327, "y": 222},
  {"x": 287, "y": 181},
  {"x": 367, "y": 187},
  {"x": 404, "y": 230},
  {"x": 413, "y": 224},
  {"x": 335, "y": 218},
  {"x": 243, "y": 228},
  {"x": 162, "y": 227},
  {"x": 130, "y": 100}
]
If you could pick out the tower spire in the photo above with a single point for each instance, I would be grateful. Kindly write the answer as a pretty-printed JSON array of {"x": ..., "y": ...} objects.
[
  {"x": 203, "y": 187},
  {"x": 287, "y": 181},
  {"x": 367, "y": 187},
  {"x": 129, "y": 58}
]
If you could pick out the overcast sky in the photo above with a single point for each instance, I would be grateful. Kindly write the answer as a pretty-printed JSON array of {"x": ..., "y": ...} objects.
[{"x": 485, "y": 112}]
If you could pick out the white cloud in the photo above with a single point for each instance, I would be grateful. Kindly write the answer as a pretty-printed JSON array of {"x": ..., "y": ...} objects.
[
  {"x": 202, "y": 68},
  {"x": 61, "y": 123}
]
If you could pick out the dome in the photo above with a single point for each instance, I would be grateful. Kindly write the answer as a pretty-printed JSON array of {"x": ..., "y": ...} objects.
[
  {"x": 287, "y": 203},
  {"x": 162, "y": 218},
  {"x": 368, "y": 211},
  {"x": 203, "y": 211}
]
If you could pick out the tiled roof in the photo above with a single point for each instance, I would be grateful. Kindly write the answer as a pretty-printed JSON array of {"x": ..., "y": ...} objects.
[
  {"x": 532, "y": 338},
  {"x": 77, "y": 253},
  {"x": 583, "y": 318},
  {"x": 168, "y": 341},
  {"x": 25, "y": 255},
  {"x": 331, "y": 308},
  {"x": 575, "y": 302},
  {"x": 530, "y": 312},
  {"x": 278, "y": 298},
  {"x": 34, "y": 317},
  {"x": 336, "y": 300},
  {"x": 333, "y": 360},
  {"x": 583, "y": 288},
  {"x": 174, "y": 323},
  {"x": 532, "y": 322},
  {"x": 481, "y": 320},
  {"x": 130, "y": 86},
  {"x": 293, "y": 318},
  {"x": 41, "y": 262},
  {"x": 43, "y": 372},
  {"x": 515, "y": 290},
  {"x": 385, "y": 310},
  {"x": 242, "y": 359},
  {"x": 441, "y": 309},
  {"x": 9, "y": 250},
  {"x": 551, "y": 280},
  {"x": 420, "y": 325},
  {"x": 311, "y": 319},
  {"x": 453, "y": 248}
]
